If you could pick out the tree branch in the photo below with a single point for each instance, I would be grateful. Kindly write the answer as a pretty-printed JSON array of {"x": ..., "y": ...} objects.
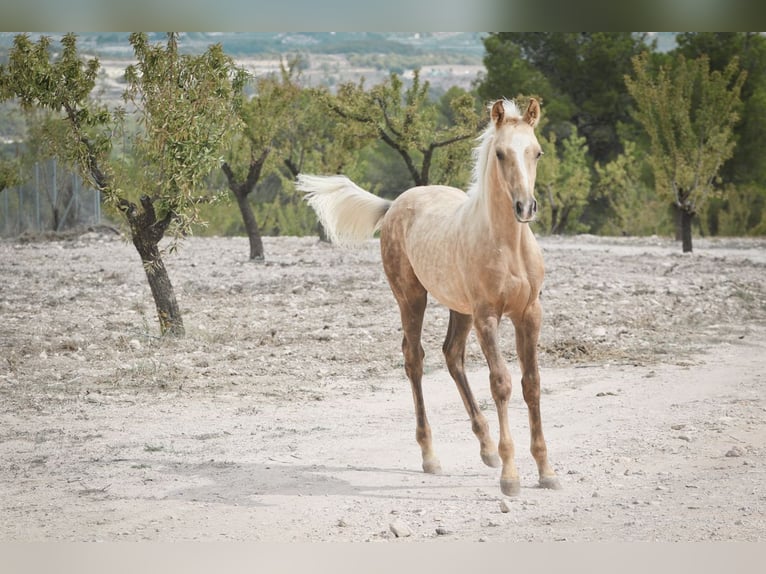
[{"x": 405, "y": 156}]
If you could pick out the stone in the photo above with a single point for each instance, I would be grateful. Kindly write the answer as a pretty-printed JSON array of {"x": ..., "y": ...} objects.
[{"x": 400, "y": 528}]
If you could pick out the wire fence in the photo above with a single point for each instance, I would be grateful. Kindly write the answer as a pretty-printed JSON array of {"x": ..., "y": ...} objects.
[{"x": 51, "y": 198}]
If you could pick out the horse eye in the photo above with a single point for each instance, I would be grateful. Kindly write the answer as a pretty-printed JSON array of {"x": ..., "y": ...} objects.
[
  {"x": 539, "y": 154},
  {"x": 500, "y": 155}
]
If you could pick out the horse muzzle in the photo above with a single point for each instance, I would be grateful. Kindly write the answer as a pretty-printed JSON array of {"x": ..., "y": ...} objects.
[{"x": 525, "y": 211}]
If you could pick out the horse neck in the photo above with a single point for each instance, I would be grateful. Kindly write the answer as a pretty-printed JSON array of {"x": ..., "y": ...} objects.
[{"x": 492, "y": 211}]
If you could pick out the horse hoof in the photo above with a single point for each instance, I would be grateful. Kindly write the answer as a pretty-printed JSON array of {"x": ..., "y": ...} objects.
[
  {"x": 550, "y": 482},
  {"x": 432, "y": 466},
  {"x": 510, "y": 486},
  {"x": 491, "y": 459}
]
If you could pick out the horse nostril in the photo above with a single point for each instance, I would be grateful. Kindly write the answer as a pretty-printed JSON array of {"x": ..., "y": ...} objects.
[
  {"x": 519, "y": 208},
  {"x": 534, "y": 206}
]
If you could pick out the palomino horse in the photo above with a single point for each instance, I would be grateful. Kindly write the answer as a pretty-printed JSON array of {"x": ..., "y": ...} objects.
[{"x": 477, "y": 256}]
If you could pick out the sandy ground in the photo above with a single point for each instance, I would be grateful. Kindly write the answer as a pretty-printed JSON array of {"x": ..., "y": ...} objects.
[{"x": 285, "y": 415}]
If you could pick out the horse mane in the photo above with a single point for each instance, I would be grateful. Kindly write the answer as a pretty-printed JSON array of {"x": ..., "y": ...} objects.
[{"x": 481, "y": 152}]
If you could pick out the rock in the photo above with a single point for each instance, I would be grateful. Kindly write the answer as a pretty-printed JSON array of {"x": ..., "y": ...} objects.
[
  {"x": 504, "y": 506},
  {"x": 735, "y": 452},
  {"x": 441, "y": 531},
  {"x": 400, "y": 528}
]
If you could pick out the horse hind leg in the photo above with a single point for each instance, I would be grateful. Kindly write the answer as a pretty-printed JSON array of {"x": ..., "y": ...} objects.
[
  {"x": 454, "y": 354},
  {"x": 412, "y": 311},
  {"x": 412, "y": 299}
]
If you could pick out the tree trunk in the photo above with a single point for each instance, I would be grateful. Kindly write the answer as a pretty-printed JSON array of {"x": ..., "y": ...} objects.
[
  {"x": 146, "y": 233},
  {"x": 554, "y": 218},
  {"x": 251, "y": 225},
  {"x": 686, "y": 230},
  {"x": 171, "y": 322},
  {"x": 241, "y": 190},
  {"x": 678, "y": 222}
]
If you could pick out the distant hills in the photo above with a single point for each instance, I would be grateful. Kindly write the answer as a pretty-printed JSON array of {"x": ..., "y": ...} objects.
[
  {"x": 115, "y": 44},
  {"x": 444, "y": 59}
]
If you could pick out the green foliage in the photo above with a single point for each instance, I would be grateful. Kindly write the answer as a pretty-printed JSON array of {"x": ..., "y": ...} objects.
[
  {"x": 743, "y": 212},
  {"x": 407, "y": 121},
  {"x": 391, "y": 136},
  {"x": 9, "y": 174},
  {"x": 633, "y": 207},
  {"x": 509, "y": 75},
  {"x": 264, "y": 117},
  {"x": 313, "y": 140},
  {"x": 746, "y": 164},
  {"x": 563, "y": 184},
  {"x": 187, "y": 114},
  {"x": 287, "y": 214},
  {"x": 689, "y": 113},
  {"x": 80, "y": 132},
  {"x": 578, "y": 77}
]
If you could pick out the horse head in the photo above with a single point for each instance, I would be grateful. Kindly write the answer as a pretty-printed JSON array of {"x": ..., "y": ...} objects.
[{"x": 515, "y": 154}]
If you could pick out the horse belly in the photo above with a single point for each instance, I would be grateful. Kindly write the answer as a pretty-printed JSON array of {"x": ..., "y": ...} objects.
[
  {"x": 423, "y": 223},
  {"x": 434, "y": 261}
]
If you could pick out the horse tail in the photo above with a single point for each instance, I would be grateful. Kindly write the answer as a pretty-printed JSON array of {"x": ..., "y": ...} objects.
[{"x": 348, "y": 213}]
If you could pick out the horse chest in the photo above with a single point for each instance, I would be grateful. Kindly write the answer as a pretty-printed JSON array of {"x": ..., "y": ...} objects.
[{"x": 507, "y": 279}]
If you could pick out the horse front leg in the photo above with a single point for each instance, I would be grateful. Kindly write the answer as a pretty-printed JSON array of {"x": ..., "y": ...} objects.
[
  {"x": 500, "y": 385},
  {"x": 454, "y": 354},
  {"x": 527, "y": 333}
]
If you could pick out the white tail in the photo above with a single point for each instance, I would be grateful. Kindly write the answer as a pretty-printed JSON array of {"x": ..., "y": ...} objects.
[{"x": 348, "y": 213}]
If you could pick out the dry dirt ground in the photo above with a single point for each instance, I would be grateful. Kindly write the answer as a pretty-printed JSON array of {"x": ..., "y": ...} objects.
[{"x": 285, "y": 414}]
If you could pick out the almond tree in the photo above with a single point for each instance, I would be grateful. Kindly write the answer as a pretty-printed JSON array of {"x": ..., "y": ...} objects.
[
  {"x": 264, "y": 116},
  {"x": 408, "y": 122},
  {"x": 186, "y": 112},
  {"x": 689, "y": 114}
]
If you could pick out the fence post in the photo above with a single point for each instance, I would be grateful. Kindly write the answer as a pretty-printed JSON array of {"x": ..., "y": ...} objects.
[
  {"x": 5, "y": 210},
  {"x": 97, "y": 210},
  {"x": 37, "y": 196},
  {"x": 21, "y": 208}
]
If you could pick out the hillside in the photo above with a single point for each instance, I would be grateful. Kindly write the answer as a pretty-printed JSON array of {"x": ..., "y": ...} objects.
[{"x": 445, "y": 58}]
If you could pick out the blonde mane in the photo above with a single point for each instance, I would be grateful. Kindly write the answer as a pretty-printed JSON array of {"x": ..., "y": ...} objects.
[{"x": 481, "y": 151}]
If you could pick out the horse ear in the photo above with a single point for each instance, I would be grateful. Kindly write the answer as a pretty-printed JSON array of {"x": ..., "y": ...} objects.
[
  {"x": 498, "y": 112},
  {"x": 532, "y": 115}
]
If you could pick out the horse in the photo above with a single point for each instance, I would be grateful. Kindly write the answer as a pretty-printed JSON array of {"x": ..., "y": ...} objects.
[{"x": 475, "y": 254}]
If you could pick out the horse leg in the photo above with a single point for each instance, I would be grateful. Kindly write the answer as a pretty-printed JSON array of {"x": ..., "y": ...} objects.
[
  {"x": 500, "y": 385},
  {"x": 454, "y": 353},
  {"x": 412, "y": 309},
  {"x": 527, "y": 333},
  {"x": 412, "y": 298}
]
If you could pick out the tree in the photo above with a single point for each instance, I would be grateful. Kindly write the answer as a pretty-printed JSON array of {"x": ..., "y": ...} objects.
[
  {"x": 746, "y": 169},
  {"x": 509, "y": 74},
  {"x": 407, "y": 121},
  {"x": 689, "y": 114},
  {"x": 633, "y": 205},
  {"x": 578, "y": 76},
  {"x": 263, "y": 117},
  {"x": 746, "y": 164},
  {"x": 563, "y": 183},
  {"x": 186, "y": 111}
]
